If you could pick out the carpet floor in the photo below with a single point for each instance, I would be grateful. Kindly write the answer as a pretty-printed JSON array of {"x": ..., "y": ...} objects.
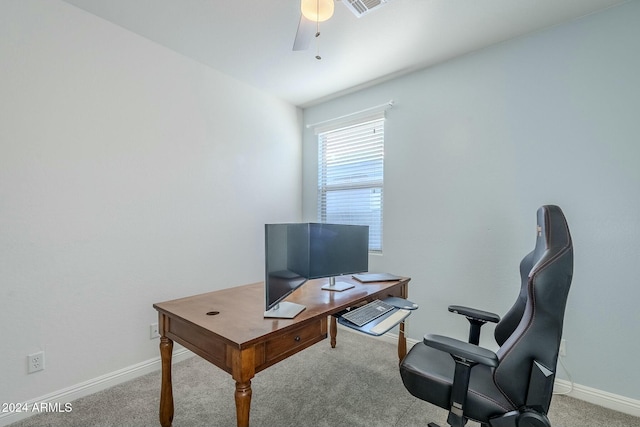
[{"x": 355, "y": 384}]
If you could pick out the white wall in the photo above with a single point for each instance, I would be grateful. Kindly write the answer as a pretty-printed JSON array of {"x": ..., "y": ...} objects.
[
  {"x": 128, "y": 175},
  {"x": 475, "y": 145}
]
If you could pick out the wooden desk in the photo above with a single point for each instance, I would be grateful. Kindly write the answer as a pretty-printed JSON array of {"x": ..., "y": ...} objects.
[{"x": 228, "y": 328}]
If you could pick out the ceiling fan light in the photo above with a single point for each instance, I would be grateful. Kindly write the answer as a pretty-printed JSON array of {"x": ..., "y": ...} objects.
[{"x": 317, "y": 10}]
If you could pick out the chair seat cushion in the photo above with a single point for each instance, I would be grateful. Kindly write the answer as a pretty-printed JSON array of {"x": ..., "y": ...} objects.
[{"x": 427, "y": 374}]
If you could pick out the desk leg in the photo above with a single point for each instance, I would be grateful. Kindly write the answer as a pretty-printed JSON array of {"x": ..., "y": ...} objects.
[
  {"x": 402, "y": 339},
  {"x": 402, "y": 342},
  {"x": 243, "y": 403},
  {"x": 166, "y": 391},
  {"x": 333, "y": 330},
  {"x": 243, "y": 370}
]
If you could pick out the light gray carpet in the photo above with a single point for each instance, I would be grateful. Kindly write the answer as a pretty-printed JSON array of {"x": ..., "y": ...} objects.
[{"x": 355, "y": 384}]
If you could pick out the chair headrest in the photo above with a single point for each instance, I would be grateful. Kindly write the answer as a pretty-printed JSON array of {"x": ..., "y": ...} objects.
[{"x": 553, "y": 236}]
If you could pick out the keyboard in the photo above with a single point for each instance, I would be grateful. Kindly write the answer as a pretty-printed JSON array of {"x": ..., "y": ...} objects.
[{"x": 365, "y": 314}]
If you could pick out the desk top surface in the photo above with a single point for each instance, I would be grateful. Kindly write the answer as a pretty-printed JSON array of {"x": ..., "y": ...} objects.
[{"x": 240, "y": 310}]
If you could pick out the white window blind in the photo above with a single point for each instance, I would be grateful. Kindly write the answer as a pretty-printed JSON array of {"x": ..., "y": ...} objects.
[{"x": 351, "y": 176}]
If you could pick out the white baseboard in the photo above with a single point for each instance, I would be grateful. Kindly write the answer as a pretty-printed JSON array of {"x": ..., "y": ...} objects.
[
  {"x": 597, "y": 397},
  {"x": 95, "y": 385}
]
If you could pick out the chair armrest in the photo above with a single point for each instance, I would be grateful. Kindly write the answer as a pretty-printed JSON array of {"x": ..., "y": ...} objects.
[
  {"x": 461, "y": 349},
  {"x": 473, "y": 313}
]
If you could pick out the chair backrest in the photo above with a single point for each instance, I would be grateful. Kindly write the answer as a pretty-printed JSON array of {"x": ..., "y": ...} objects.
[{"x": 532, "y": 329}]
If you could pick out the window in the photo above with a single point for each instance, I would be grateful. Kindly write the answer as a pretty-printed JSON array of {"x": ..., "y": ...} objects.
[{"x": 350, "y": 176}]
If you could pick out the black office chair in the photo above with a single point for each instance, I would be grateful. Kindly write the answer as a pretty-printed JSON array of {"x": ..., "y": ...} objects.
[{"x": 512, "y": 387}]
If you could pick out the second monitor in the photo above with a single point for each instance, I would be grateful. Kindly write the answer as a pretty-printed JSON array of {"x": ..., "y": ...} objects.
[{"x": 335, "y": 250}]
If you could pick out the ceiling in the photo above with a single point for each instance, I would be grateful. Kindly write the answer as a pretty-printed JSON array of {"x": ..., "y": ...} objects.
[{"x": 252, "y": 40}]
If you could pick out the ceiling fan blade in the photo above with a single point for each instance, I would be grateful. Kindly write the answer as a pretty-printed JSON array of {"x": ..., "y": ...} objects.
[{"x": 305, "y": 33}]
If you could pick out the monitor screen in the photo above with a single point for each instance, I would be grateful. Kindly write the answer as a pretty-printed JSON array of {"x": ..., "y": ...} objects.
[
  {"x": 336, "y": 249},
  {"x": 286, "y": 260},
  {"x": 297, "y": 252}
]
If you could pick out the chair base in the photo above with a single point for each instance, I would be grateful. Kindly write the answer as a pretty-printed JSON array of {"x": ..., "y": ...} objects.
[
  {"x": 438, "y": 425},
  {"x": 515, "y": 419},
  {"x": 528, "y": 418}
]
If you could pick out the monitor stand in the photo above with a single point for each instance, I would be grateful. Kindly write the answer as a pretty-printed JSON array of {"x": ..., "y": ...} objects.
[
  {"x": 284, "y": 310},
  {"x": 337, "y": 286}
]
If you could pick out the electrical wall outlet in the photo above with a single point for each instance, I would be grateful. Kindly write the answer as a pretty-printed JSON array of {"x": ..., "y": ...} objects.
[
  {"x": 153, "y": 331},
  {"x": 563, "y": 348},
  {"x": 35, "y": 362}
]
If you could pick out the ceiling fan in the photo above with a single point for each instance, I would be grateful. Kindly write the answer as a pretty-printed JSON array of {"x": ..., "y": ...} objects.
[{"x": 312, "y": 12}]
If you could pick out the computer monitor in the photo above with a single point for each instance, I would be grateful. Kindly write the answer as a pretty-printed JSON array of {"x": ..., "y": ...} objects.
[
  {"x": 286, "y": 266},
  {"x": 336, "y": 250},
  {"x": 297, "y": 252}
]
